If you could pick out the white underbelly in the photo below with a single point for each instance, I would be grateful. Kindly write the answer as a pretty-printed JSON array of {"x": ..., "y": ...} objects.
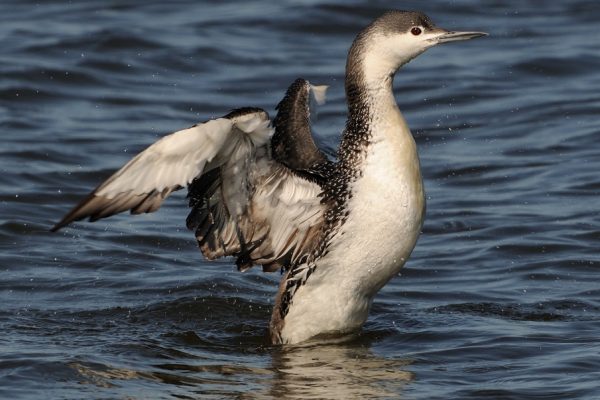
[{"x": 385, "y": 217}]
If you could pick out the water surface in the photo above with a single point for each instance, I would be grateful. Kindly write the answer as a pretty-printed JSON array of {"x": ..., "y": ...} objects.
[{"x": 499, "y": 300}]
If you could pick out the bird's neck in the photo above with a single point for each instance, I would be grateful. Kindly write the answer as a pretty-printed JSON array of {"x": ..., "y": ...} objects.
[{"x": 373, "y": 114}]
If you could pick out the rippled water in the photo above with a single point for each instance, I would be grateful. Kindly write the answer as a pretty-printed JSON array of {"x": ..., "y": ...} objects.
[{"x": 499, "y": 300}]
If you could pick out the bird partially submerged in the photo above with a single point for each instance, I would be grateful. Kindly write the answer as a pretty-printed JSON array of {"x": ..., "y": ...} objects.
[{"x": 262, "y": 192}]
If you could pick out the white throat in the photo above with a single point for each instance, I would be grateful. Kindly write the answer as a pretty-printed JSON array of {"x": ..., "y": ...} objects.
[{"x": 385, "y": 56}]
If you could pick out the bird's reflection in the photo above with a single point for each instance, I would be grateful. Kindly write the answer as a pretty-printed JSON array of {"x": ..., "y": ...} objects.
[
  {"x": 336, "y": 372},
  {"x": 319, "y": 371}
]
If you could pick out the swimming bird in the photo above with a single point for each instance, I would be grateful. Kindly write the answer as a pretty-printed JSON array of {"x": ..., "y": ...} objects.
[{"x": 262, "y": 191}]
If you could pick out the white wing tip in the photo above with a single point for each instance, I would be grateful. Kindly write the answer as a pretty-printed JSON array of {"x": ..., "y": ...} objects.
[{"x": 319, "y": 93}]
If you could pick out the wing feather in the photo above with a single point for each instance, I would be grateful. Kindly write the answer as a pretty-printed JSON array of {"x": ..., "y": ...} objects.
[
  {"x": 172, "y": 163},
  {"x": 257, "y": 201},
  {"x": 278, "y": 227}
]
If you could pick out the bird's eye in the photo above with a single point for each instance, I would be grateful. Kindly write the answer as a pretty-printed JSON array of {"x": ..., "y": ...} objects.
[{"x": 416, "y": 30}]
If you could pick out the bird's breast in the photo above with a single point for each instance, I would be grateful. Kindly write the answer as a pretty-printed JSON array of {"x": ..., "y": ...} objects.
[{"x": 385, "y": 214}]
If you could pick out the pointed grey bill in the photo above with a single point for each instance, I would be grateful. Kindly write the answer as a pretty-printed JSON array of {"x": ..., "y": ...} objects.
[{"x": 447, "y": 37}]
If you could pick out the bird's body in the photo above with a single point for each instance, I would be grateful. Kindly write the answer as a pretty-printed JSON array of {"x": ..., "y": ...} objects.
[{"x": 339, "y": 230}]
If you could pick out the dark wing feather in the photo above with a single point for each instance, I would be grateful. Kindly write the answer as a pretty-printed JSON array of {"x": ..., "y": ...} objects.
[{"x": 293, "y": 144}]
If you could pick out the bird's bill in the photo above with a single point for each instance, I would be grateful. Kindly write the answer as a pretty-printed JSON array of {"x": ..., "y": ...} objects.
[{"x": 449, "y": 36}]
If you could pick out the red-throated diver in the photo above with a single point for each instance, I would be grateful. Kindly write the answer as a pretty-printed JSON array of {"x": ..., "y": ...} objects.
[{"x": 340, "y": 230}]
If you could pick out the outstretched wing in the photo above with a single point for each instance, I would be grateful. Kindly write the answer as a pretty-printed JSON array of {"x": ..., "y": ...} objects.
[
  {"x": 172, "y": 163},
  {"x": 260, "y": 206}
]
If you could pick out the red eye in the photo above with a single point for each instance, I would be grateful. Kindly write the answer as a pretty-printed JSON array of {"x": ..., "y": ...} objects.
[{"x": 416, "y": 31}]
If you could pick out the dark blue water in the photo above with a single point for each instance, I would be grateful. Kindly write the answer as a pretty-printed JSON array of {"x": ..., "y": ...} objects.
[{"x": 500, "y": 299}]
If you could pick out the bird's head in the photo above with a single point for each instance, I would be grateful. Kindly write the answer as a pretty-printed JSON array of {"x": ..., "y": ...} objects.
[{"x": 394, "y": 39}]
